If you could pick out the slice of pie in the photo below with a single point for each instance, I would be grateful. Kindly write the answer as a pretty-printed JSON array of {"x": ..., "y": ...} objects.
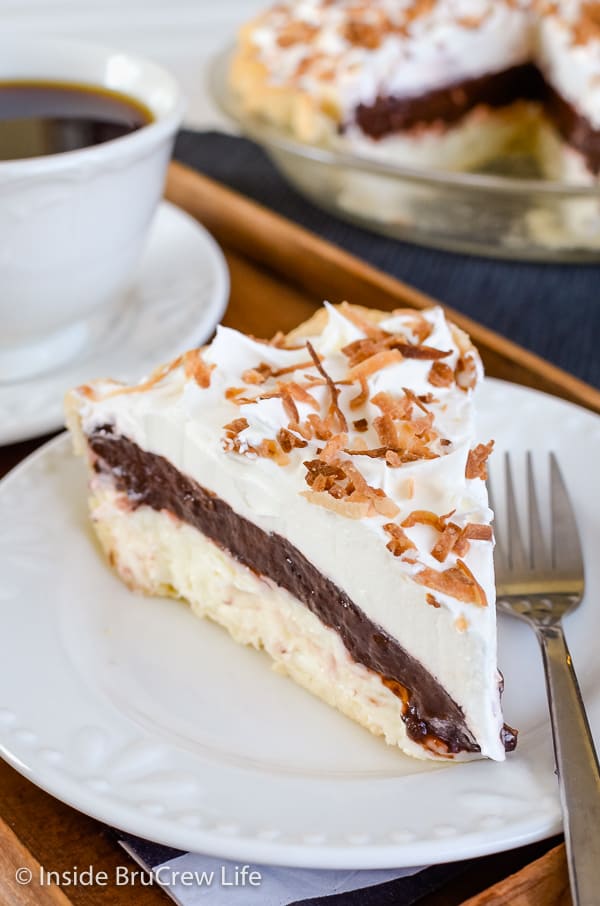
[{"x": 322, "y": 497}]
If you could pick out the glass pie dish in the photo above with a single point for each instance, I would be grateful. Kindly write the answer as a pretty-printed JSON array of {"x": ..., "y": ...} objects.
[{"x": 502, "y": 212}]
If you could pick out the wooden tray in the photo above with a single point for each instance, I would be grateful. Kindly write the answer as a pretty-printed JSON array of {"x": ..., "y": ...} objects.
[{"x": 279, "y": 274}]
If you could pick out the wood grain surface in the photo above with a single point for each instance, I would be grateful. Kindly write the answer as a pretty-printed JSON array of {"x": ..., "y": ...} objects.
[
  {"x": 279, "y": 274},
  {"x": 542, "y": 883},
  {"x": 23, "y": 883}
]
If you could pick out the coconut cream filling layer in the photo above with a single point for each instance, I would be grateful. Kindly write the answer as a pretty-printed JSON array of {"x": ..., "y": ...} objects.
[{"x": 178, "y": 419}]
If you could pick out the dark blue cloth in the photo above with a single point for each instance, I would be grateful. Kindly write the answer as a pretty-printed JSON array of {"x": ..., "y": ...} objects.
[
  {"x": 471, "y": 875},
  {"x": 552, "y": 309}
]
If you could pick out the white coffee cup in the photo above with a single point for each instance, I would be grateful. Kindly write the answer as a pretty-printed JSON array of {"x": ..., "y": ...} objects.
[{"x": 73, "y": 224}]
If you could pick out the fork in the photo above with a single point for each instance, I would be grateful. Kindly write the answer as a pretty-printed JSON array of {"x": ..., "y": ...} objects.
[{"x": 540, "y": 585}]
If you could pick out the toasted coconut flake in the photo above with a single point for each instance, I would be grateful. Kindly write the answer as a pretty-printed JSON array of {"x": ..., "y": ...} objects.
[
  {"x": 155, "y": 377},
  {"x": 291, "y": 410},
  {"x": 415, "y": 322},
  {"x": 264, "y": 372},
  {"x": 195, "y": 367},
  {"x": 270, "y": 449},
  {"x": 412, "y": 396},
  {"x": 359, "y": 350},
  {"x": 237, "y": 425},
  {"x": 476, "y": 461},
  {"x": 361, "y": 425},
  {"x": 456, "y": 582},
  {"x": 369, "y": 329},
  {"x": 386, "y": 431},
  {"x": 375, "y": 363},
  {"x": 254, "y": 376},
  {"x": 473, "y": 531},
  {"x": 232, "y": 394},
  {"x": 445, "y": 542},
  {"x": 311, "y": 381},
  {"x": 395, "y": 408},
  {"x": 426, "y": 517},
  {"x": 393, "y": 459},
  {"x": 296, "y": 32},
  {"x": 382, "y": 503},
  {"x": 318, "y": 427},
  {"x": 343, "y": 481},
  {"x": 333, "y": 446},
  {"x": 231, "y": 441},
  {"x": 289, "y": 369},
  {"x": 361, "y": 398},
  {"x": 440, "y": 375},
  {"x": 478, "y": 531},
  {"x": 461, "y": 546},
  {"x": 399, "y": 541},
  {"x": 87, "y": 391},
  {"x": 418, "y": 351},
  {"x": 319, "y": 467},
  {"x": 421, "y": 425},
  {"x": 287, "y": 440},
  {"x": 431, "y": 600},
  {"x": 334, "y": 407},
  {"x": 347, "y": 508},
  {"x": 356, "y": 478},
  {"x": 466, "y": 371},
  {"x": 468, "y": 575},
  {"x": 301, "y": 395},
  {"x": 373, "y": 452}
]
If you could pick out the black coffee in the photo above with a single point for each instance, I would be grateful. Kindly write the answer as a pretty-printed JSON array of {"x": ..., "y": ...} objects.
[{"x": 40, "y": 118}]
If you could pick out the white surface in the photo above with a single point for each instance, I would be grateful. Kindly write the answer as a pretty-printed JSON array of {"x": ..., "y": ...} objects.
[
  {"x": 134, "y": 712},
  {"x": 68, "y": 242},
  {"x": 177, "y": 296},
  {"x": 183, "y": 422},
  {"x": 182, "y": 35}
]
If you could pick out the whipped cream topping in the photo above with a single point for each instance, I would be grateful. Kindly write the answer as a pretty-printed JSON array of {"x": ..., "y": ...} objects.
[
  {"x": 345, "y": 53},
  {"x": 218, "y": 434}
]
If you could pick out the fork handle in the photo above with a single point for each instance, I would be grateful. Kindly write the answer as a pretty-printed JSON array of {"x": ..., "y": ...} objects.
[{"x": 577, "y": 766}]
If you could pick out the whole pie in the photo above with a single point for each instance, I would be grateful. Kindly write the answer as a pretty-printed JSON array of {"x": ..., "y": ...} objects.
[{"x": 443, "y": 83}]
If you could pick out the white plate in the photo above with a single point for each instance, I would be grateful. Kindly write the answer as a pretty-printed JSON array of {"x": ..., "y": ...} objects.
[
  {"x": 137, "y": 713},
  {"x": 177, "y": 297}
]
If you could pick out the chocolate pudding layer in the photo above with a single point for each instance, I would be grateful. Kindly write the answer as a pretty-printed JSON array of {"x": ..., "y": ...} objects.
[
  {"x": 430, "y": 714},
  {"x": 446, "y": 106}
]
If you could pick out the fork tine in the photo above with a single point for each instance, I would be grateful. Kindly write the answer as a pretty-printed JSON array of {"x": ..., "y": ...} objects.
[
  {"x": 500, "y": 561},
  {"x": 566, "y": 546},
  {"x": 517, "y": 556},
  {"x": 538, "y": 553}
]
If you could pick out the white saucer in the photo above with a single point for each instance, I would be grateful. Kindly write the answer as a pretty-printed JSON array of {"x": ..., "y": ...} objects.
[
  {"x": 136, "y": 712},
  {"x": 177, "y": 297}
]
